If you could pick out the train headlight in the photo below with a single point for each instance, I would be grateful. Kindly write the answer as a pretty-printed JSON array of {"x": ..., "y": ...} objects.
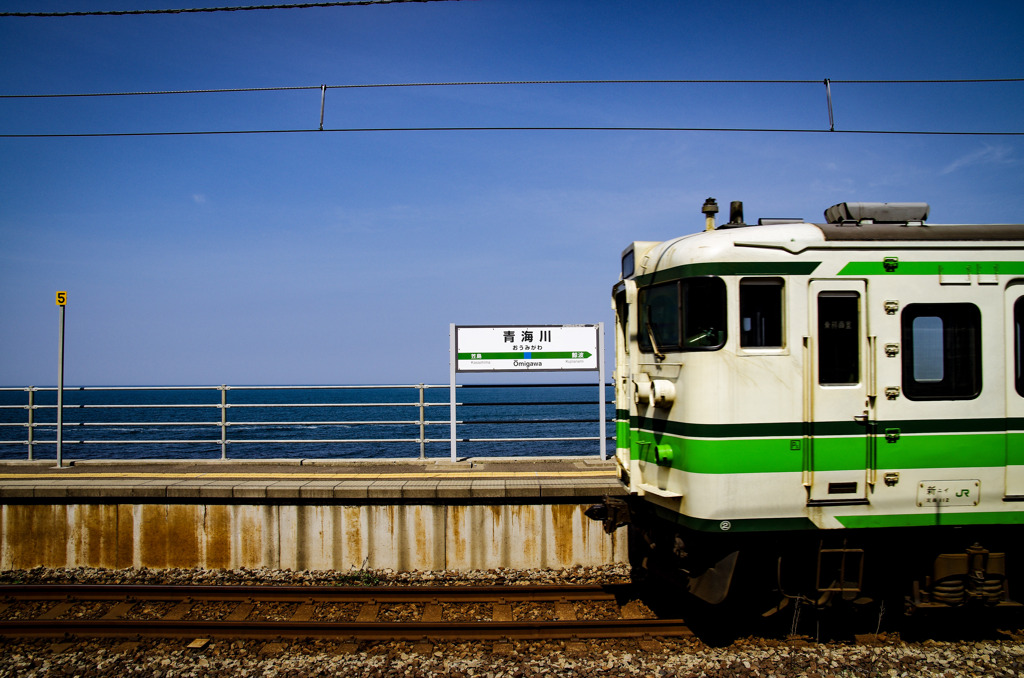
[
  {"x": 663, "y": 393},
  {"x": 642, "y": 392}
]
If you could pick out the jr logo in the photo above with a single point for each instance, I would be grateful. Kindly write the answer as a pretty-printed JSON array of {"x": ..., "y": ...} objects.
[{"x": 964, "y": 493}]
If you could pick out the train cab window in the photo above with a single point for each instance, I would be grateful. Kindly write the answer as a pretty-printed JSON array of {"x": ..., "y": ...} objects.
[
  {"x": 628, "y": 264},
  {"x": 838, "y": 338},
  {"x": 659, "y": 317},
  {"x": 761, "y": 312},
  {"x": 941, "y": 351},
  {"x": 1018, "y": 347},
  {"x": 684, "y": 315}
]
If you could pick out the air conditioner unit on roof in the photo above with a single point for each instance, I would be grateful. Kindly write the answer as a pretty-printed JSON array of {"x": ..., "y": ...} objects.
[{"x": 878, "y": 212}]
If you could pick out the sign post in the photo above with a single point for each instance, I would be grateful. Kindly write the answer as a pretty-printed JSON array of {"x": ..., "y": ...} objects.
[
  {"x": 62, "y": 302},
  {"x": 527, "y": 348}
]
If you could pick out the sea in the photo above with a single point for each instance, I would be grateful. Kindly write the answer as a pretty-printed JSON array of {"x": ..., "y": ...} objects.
[{"x": 312, "y": 422}]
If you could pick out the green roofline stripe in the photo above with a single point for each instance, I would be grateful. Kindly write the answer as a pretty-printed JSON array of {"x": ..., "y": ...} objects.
[
  {"x": 728, "y": 268},
  {"x": 864, "y": 268}
]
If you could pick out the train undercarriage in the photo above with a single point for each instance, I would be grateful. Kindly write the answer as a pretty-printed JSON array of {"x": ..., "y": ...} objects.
[{"x": 928, "y": 568}]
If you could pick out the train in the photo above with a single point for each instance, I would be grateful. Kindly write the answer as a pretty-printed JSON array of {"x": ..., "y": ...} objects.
[{"x": 824, "y": 412}]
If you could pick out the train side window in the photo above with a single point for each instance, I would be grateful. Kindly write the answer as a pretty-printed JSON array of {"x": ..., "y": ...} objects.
[
  {"x": 1018, "y": 347},
  {"x": 941, "y": 351},
  {"x": 761, "y": 312},
  {"x": 838, "y": 338},
  {"x": 659, "y": 317}
]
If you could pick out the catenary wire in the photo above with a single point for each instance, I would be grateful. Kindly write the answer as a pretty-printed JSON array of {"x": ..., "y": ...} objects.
[
  {"x": 192, "y": 10},
  {"x": 323, "y": 88},
  {"x": 510, "y": 83},
  {"x": 781, "y": 130}
]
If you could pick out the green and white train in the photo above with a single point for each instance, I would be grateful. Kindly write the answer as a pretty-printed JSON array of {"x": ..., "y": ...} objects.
[{"x": 826, "y": 411}]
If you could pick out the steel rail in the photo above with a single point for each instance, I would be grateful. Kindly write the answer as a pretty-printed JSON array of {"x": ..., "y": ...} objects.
[
  {"x": 380, "y": 631},
  {"x": 300, "y": 626}
]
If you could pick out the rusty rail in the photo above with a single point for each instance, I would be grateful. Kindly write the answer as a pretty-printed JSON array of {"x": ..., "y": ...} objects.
[{"x": 365, "y": 627}]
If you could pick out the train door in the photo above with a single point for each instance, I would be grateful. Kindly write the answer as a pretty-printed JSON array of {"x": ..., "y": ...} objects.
[
  {"x": 839, "y": 416},
  {"x": 1014, "y": 308}
]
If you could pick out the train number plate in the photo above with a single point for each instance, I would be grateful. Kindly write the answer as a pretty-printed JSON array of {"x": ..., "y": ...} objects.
[{"x": 940, "y": 493}]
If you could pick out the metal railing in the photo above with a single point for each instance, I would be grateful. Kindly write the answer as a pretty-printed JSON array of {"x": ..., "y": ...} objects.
[{"x": 183, "y": 410}]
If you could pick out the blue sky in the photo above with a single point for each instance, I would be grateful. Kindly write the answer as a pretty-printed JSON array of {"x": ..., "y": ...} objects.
[{"x": 342, "y": 257}]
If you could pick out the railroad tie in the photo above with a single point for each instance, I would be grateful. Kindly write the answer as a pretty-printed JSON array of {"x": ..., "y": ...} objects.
[
  {"x": 119, "y": 610},
  {"x": 303, "y": 612},
  {"x": 57, "y": 610},
  {"x": 501, "y": 612},
  {"x": 368, "y": 612},
  {"x": 240, "y": 613},
  {"x": 178, "y": 612},
  {"x": 565, "y": 611},
  {"x": 432, "y": 612}
]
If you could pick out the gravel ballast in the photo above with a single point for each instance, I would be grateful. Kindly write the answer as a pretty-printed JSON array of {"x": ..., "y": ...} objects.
[
  {"x": 592, "y": 658},
  {"x": 887, "y": 656}
]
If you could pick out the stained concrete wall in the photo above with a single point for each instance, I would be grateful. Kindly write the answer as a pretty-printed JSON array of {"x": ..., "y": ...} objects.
[{"x": 306, "y": 537}]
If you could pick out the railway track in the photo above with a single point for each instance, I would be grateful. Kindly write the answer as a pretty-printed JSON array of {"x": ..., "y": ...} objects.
[{"x": 353, "y": 613}]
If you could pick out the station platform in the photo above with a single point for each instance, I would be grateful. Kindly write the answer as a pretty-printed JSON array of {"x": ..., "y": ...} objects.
[
  {"x": 390, "y": 481},
  {"x": 402, "y": 515}
]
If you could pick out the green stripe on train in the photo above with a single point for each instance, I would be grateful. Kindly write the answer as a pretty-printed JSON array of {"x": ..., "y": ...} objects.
[
  {"x": 848, "y": 522},
  {"x": 796, "y": 429},
  {"x": 735, "y": 525},
  {"x": 621, "y": 434},
  {"x": 933, "y": 518},
  {"x": 865, "y": 268},
  {"x": 787, "y": 455}
]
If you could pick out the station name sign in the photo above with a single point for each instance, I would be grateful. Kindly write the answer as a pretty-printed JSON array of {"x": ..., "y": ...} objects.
[{"x": 526, "y": 348}]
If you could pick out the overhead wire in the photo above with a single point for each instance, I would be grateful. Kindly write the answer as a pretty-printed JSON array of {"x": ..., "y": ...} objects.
[
  {"x": 193, "y": 10},
  {"x": 477, "y": 83},
  {"x": 509, "y": 129},
  {"x": 632, "y": 128}
]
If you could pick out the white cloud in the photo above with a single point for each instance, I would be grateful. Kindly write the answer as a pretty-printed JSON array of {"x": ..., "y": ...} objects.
[
  {"x": 986, "y": 155},
  {"x": 199, "y": 198}
]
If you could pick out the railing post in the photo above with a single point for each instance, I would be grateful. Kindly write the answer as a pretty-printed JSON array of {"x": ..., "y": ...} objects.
[
  {"x": 452, "y": 362},
  {"x": 601, "y": 391},
  {"x": 423, "y": 453},
  {"x": 223, "y": 421},
  {"x": 31, "y": 419}
]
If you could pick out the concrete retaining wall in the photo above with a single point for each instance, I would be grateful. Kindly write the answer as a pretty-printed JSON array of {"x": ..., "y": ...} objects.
[{"x": 305, "y": 537}]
